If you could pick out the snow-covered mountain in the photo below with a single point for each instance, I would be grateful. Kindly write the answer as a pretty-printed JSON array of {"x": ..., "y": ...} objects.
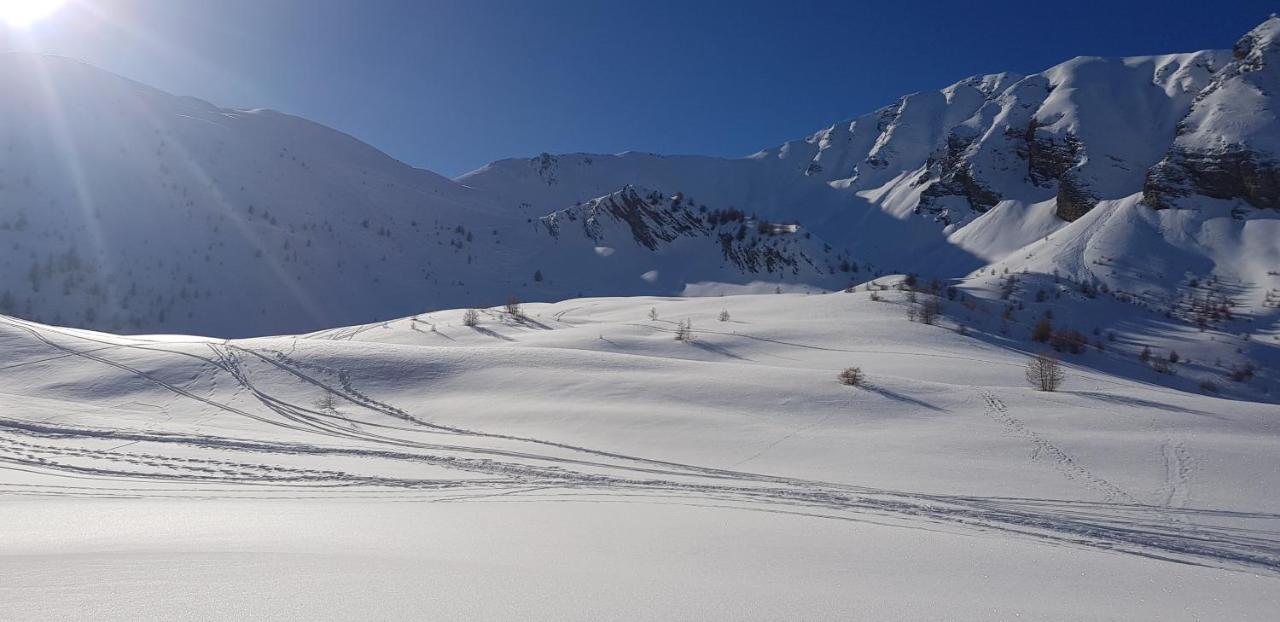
[
  {"x": 125, "y": 208},
  {"x": 1151, "y": 179}
]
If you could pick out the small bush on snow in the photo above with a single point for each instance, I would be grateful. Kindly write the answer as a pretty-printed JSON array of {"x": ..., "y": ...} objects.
[{"x": 852, "y": 376}]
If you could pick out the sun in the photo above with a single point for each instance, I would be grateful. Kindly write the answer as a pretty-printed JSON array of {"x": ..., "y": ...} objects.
[{"x": 23, "y": 13}]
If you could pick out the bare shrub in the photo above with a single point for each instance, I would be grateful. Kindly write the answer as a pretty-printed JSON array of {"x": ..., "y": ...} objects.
[
  {"x": 1044, "y": 372},
  {"x": 653, "y": 314},
  {"x": 1043, "y": 331},
  {"x": 852, "y": 376},
  {"x": 724, "y": 315},
  {"x": 471, "y": 317},
  {"x": 1241, "y": 373},
  {"x": 513, "y": 307}
]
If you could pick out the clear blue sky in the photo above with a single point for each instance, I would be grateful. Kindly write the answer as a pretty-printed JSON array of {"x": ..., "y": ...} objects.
[{"x": 451, "y": 85}]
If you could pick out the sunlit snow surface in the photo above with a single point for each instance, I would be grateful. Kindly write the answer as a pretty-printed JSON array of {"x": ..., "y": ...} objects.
[{"x": 580, "y": 463}]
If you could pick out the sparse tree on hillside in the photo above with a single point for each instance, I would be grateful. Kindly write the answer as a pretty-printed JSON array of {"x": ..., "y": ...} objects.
[
  {"x": 684, "y": 331},
  {"x": 1044, "y": 372},
  {"x": 724, "y": 315},
  {"x": 930, "y": 309},
  {"x": 653, "y": 314},
  {"x": 471, "y": 317},
  {"x": 513, "y": 307}
]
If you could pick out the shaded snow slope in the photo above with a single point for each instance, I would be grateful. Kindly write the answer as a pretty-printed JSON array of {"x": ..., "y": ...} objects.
[{"x": 578, "y": 459}]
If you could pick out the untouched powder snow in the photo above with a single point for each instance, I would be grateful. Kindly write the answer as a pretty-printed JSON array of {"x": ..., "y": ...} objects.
[{"x": 578, "y": 462}]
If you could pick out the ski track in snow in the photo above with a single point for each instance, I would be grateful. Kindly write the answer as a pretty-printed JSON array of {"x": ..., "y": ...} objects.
[{"x": 387, "y": 439}]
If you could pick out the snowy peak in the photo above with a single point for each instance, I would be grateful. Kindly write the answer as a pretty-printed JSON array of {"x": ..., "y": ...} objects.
[
  {"x": 1260, "y": 45},
  {"x": 1228, "y": 145}
]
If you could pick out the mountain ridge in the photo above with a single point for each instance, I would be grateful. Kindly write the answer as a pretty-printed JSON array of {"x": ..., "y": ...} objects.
[{"x": 178, "y": 211}]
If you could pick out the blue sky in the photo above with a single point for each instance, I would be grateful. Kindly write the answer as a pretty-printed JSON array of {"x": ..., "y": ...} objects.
[{"x": 451, "y": 85}]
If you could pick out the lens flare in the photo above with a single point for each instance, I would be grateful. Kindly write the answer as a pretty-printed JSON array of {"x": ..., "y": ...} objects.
[{"x": 24, "y": 13}]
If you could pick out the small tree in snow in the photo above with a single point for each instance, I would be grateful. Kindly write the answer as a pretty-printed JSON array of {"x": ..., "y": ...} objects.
[
  {"x": 852, "y": 376},
  {"x": 653, "y": 314},
  {"x": 724, "y": 315},
  {"x": 1044, "y": 372},
  {"x": 513, "y": 307},
  {"x": 326, "y": 404},
  {"x": 684, "y": 331},
  {"x": 471, "y": 317},
  {"x": 929, "y": 310}
]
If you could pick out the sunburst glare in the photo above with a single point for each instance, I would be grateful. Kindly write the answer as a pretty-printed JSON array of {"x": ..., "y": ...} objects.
[{"x": 24, "y": 13}]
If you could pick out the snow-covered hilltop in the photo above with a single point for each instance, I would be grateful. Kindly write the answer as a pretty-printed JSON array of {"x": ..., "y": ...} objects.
[{"x": 128, "y": 209}]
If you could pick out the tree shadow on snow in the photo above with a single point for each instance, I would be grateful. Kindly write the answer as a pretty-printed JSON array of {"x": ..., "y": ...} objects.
[
  {"x": 491, "y": 333},
  {"x": 898, "y": 397}
]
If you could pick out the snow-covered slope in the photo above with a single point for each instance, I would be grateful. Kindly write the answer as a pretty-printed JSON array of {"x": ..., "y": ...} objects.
[{"x": 578, "y": 461}]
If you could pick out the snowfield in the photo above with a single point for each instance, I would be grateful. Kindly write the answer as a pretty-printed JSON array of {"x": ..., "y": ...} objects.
[
  {"x": 578, "y": 462},
  {"x": 627, "y": 453}
]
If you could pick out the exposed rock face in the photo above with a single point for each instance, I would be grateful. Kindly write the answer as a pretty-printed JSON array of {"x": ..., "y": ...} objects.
[
  {"x": 1054, "y": 160},
  {"x": 652, "y": 221},
  {"x": 1222, "y": 175},
  {"x": 656, "y": 222},
  {"x": 1228, "y": 147},
  {"x": 1049, "y": 157},
  {"x": 949, "y": 176},
  {"x": 1074, "y": 198}
]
